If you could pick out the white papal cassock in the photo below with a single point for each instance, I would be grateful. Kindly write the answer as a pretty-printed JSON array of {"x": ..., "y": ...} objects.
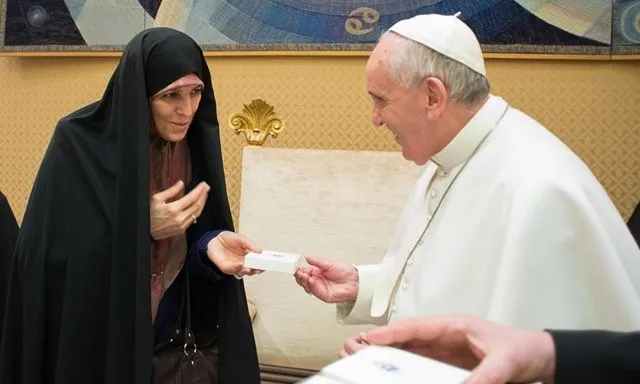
[{"x": 506, "y": 223}]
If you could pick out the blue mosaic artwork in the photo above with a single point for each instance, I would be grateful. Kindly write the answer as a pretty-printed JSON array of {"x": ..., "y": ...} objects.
[{"x": 523, "y": 26}]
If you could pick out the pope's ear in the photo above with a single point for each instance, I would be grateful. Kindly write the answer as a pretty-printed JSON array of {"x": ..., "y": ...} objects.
[{"x": 436, "y": 96}]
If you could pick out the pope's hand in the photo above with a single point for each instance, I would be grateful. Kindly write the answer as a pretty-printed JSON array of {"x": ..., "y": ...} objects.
[
  {"x": 330, "y": 281},
  {"x": 227, "y": 252},
  {"x": 353, "y": 345}
]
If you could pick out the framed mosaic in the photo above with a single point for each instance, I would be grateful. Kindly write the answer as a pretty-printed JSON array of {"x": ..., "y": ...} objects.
[{"x": 579, "y": 27}]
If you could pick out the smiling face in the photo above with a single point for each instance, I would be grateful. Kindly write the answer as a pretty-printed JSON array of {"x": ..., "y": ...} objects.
[
  {"x": 412, "y": 114},
  {"x": 397, "y": 109},
  {"x": 173, "y": 108}
]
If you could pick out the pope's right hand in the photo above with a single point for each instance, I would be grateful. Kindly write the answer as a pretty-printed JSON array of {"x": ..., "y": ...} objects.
[{"x": 329, "y": 281}]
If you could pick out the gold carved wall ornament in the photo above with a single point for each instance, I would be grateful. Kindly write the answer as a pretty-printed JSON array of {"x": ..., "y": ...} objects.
[
  {"x": 257, "y": 121},
  {"x": 354, "y": 25}
]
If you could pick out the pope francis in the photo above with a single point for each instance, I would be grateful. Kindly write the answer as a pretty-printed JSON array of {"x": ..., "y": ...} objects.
[{"x": 505, "y": 222}]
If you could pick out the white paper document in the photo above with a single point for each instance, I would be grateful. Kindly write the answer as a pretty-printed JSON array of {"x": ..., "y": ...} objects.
[
  {"x": 273, "y": 261},
  {"x": 322, "y": 380},
  {"x": 386, "y": 365}
]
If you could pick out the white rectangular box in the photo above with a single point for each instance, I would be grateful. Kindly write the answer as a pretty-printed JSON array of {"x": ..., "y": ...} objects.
[{"x": 273, "y": 261}]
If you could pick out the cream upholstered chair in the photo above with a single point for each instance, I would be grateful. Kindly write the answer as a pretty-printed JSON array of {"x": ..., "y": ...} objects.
[{"x": 340, "y": 205}]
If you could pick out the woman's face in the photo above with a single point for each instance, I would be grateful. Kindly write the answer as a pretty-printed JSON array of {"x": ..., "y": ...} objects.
[{"x": 173, "y": 109}]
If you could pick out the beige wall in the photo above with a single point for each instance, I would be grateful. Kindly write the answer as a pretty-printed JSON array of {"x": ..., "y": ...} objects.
[{"x": 592, "y": 106}]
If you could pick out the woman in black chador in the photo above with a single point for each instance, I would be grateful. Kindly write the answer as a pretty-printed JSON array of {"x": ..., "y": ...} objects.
[{"x": 130, "y": 198}]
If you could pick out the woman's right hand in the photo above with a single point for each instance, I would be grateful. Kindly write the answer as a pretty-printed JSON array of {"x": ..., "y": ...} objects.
[{"x": 171, "y": 219}]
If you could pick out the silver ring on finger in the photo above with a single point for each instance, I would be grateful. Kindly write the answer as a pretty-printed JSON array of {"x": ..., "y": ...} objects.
[
  {"x": 194, "y": 219},
  {"x": 237, "y": 277}
]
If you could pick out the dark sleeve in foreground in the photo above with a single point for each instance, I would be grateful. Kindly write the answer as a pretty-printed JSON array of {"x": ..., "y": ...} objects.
[{"x": 597, "y": 357}]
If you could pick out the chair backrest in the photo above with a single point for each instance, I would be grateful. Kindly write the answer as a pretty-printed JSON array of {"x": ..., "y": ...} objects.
[{"x": 339, "y": 205}]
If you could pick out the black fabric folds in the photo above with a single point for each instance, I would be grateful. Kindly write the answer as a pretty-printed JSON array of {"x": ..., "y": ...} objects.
[
  {"x": 78, "y": 300},
  {"x": 8, "y": 235},
  {"x": 634, "y": 223}
]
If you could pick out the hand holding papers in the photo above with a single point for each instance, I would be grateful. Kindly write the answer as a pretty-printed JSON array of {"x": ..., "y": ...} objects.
[{"x": 387, "y": 365}]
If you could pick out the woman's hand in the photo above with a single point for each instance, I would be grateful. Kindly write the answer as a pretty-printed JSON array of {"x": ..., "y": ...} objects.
[
  {"x": 171, "y": 219},
  {"x": 227, "y": 252}
]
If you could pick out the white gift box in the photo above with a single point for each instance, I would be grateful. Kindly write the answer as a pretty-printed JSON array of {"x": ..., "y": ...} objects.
[{"x": 273, "y": 261}]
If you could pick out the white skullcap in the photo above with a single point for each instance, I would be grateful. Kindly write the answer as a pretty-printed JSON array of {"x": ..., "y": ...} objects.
[{"x": 447, "y": 35}]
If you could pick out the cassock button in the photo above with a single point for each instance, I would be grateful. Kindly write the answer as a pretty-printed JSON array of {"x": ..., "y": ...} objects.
[
  {"x": 429, "y": 217},
  {"x": 405, "y": 286},
  {"x": 410, "y": 261},
  {"x": 442, "y": 173},
  {"x": 434, "y": 193}
]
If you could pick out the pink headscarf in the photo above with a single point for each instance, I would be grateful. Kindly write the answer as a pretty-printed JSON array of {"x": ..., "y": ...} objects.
[{"x": 190, "y": 79}]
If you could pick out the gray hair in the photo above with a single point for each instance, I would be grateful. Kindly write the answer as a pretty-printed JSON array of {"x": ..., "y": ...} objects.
[{"x": 410, "y": 62}]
